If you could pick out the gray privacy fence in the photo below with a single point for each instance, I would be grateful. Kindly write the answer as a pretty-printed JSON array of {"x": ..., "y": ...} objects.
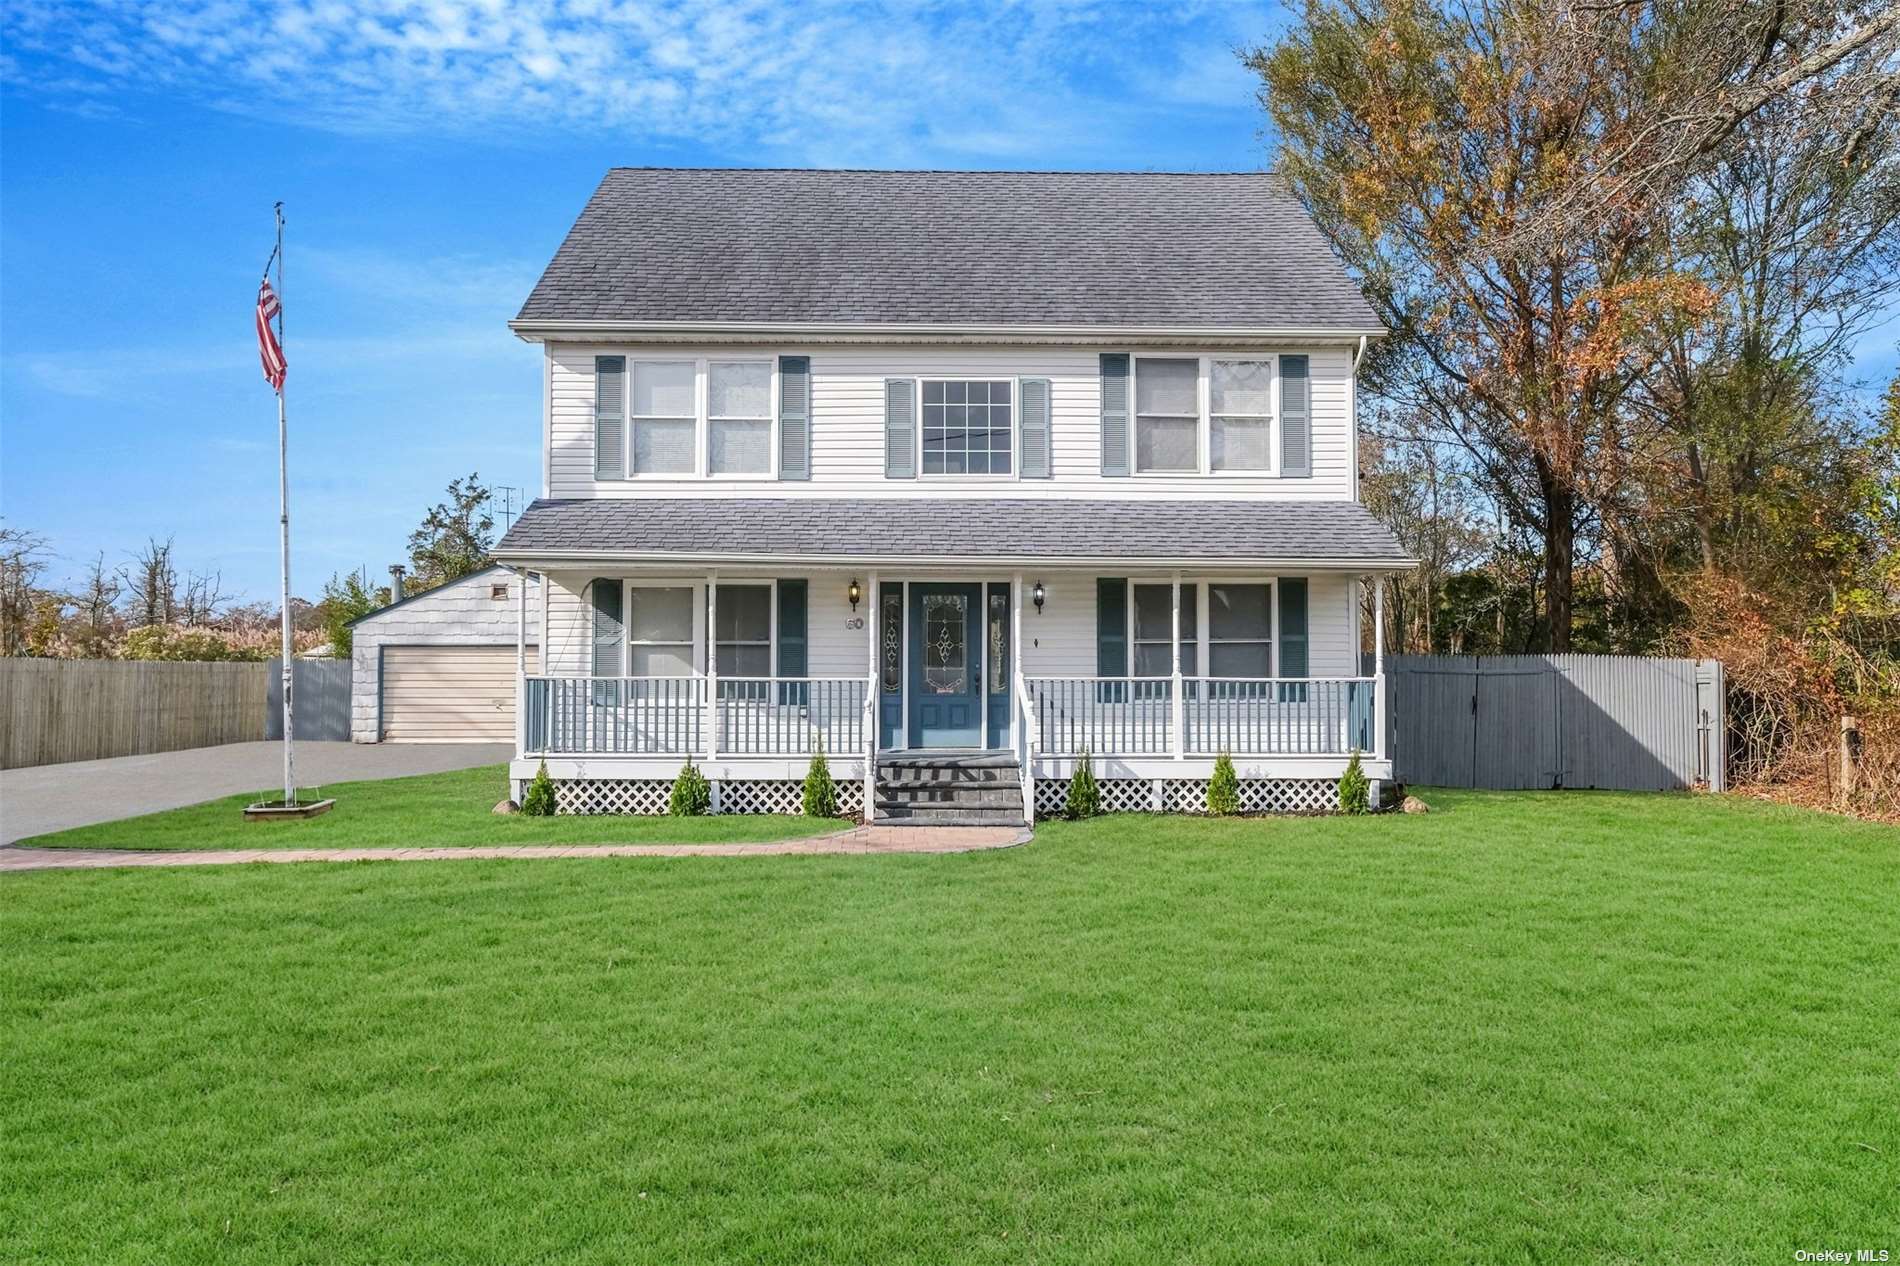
[
  {"x": 56, "y": 710},
  {"x": 320, "y": 699},
  {"x": 1542, "y": 721}
]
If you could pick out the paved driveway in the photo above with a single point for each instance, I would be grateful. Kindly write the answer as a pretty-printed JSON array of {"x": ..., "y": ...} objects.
[{"x": 54, "y": 797}]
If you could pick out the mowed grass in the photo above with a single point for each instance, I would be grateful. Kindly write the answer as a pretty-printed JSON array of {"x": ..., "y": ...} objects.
[
  {"x": 1545, "y": 1028},
  {"x": 428, "y": 809}
]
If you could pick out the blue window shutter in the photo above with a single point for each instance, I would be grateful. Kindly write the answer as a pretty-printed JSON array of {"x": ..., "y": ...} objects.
[
  {"x": 1296, "y": 417},
  {"x": 1111, "y": 627},
  {"x": 1032, "y": 409},
  {"x": 1293, "y": 656},
  {"x": 900, "y": 429},
  {"x": 794, "y": 640},
  {"x": 610, "y": 630},
  {"x": 610, "y": 426},
  {"x": 1115, "y": 422},
  {"x": 794, "y": 417},
  {"x": 793, "y": 604}
]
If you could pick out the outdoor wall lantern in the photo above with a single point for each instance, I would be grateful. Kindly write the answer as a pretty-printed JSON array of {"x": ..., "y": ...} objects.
[
  {"x": 855, "y": 593},
  {"x": 1039, "y": 595}
]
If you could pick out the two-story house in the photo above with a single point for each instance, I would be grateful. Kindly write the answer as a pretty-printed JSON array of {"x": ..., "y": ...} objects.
[{"x": 958, "y": 476}]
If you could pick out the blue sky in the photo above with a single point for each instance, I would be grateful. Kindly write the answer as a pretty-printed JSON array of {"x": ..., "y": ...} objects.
[{"x": 431, "y": 156}]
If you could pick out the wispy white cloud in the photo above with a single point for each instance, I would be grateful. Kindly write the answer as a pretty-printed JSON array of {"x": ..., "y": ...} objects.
[{"x": 835, "y": 81}]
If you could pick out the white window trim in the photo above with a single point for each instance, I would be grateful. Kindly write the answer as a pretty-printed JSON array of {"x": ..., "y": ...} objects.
[
  {"x": 1199, "y": 417},
  {"x": 1208, "y": 642},
  {"x": 771, "y": 627},
  {"x": 770, "y": 419},
  {"x": 1272, "y": 359},
  {"x": 702, "y": 422},
  {"x": 696, "y": 654},
  {"x": 1015, "y": 423},
  {"x": 1199, "y": 590},
  {"x": 1204, "y": 430}
]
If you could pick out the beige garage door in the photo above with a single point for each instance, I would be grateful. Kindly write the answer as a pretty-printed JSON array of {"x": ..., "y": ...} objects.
[{"x": 450, "y": 694}]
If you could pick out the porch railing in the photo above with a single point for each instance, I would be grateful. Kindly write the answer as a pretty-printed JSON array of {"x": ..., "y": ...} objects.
[
  {"x": 1138, "y": 716},
  {"x": 669, "y": 716}
]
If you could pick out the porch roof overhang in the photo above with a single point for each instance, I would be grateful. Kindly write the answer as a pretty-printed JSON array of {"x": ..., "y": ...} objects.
[{"x": 946, "y": 531}]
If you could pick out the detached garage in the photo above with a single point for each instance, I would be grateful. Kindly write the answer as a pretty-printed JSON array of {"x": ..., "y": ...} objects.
[{"x": 439, "y": 666}]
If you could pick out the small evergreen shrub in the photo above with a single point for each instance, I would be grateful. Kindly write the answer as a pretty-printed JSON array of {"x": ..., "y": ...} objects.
[
  {"x": 1085, "y": 796},
  {"x": 692, "y": 794},
  {"x": 1355, "y": 789},
  {"x": 539, "y": 800},
  {"x": 821, "y": 794},
  {"x": 1223, "y": 792}
]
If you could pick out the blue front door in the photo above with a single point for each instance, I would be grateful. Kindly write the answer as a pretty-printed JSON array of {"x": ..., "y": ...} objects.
[{"x": 946, "y": 666}]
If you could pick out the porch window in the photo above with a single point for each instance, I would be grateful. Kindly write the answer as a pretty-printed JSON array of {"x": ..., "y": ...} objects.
[
  {"x": 665, "y": 414},
  {"x": 1167, "y": 416},
  {"x": 967, "y": 427},
  {"x": 1240, "y": 398},
  {"x": 660, "y": 631},
  {"x": 739, "y": 417},
  {"x": 1240, "y": 630},
  {"x": 743, "y": 631},
  {"x": 1154, "y": 631}
]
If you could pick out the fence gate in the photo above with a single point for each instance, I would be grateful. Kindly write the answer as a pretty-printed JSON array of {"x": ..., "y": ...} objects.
[
  {"x": 1519, "y": 722},
  {"x": 320, "y": 698}
]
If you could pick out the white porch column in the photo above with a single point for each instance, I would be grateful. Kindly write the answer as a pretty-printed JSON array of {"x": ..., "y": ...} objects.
[
  {"x": 1380, "y": 722},
  {"x": 1019, "y": 717},
  {"x": 873, "y": 609},
  {"x": 1178, "y": 721},
  {"x": 712, "y": 665},
  {"x": 521, "y": 661}
]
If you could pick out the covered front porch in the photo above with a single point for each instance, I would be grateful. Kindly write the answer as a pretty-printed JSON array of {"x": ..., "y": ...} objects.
[
  {"x": 907, "y": 638},
  {"x": 750, "y": 671}
]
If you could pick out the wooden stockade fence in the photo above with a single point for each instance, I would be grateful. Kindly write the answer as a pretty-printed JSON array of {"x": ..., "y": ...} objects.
[
  {"x": 1510, "y": 722},
  {"x": 55, "y": 710}
]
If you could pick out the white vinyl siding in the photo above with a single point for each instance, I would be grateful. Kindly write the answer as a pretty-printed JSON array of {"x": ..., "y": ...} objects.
[
  {"x": 1060, "y": 642},
  {"x": 847, "y": 422}
]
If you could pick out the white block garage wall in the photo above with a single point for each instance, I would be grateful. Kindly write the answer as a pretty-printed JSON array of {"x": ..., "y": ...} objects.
[{"x": 457, "y": 614}]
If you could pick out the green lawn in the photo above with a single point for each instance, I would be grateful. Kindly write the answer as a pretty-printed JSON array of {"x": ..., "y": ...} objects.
[
  {"x": 429, "y": 809},
  {"x": 1554, "y": 1028}
]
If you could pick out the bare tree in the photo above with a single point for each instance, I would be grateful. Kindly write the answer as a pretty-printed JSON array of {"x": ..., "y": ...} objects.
[
  {"x": 98, "y": 595},
  {"x": 23, "y": 559},
  {"x": 201, "y": 598},
  {"x": 151, "y": 584}
]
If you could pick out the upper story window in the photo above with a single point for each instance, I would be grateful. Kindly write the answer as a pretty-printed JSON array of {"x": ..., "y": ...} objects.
[
  {"x": 967, "y": 426},
  {"x": 688, "y": 417},
  {"x": 1196, "y": 415},
  {"x": 1240, "y": 405},
  {"x": 739, "y": 417},
  {"x": 1167, "y": 415},
  {"x": 665, "y": 416}
]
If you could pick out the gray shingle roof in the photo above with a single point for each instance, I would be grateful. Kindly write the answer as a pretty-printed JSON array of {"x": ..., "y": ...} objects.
[
  {"x": 870, "y": 529},
  {"x": 1117, "y": 249}
]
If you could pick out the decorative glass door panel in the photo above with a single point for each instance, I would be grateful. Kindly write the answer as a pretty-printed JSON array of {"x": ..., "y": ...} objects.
[
  {"x": 946, "y": 656},
  {"x": 946, "y": 643}
]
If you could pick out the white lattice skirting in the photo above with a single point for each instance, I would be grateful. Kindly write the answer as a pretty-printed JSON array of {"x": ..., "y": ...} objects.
[
  {"x": 650, "y": 795},
  {"x": 1189, "y": 795}
]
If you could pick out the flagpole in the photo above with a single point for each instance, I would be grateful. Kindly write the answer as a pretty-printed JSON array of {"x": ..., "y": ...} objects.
[{"x": 283, "y": 523}]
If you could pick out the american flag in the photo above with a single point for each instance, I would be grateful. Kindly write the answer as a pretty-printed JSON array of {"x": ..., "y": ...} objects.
[{"x": 268, "y": 349}]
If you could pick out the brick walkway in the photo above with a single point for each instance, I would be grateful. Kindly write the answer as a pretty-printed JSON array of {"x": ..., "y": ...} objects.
[{"x": 864, "y": 839}]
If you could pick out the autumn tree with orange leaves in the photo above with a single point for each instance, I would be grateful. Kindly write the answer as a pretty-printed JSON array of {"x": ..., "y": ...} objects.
[{"x": 1503, "y": 177}]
